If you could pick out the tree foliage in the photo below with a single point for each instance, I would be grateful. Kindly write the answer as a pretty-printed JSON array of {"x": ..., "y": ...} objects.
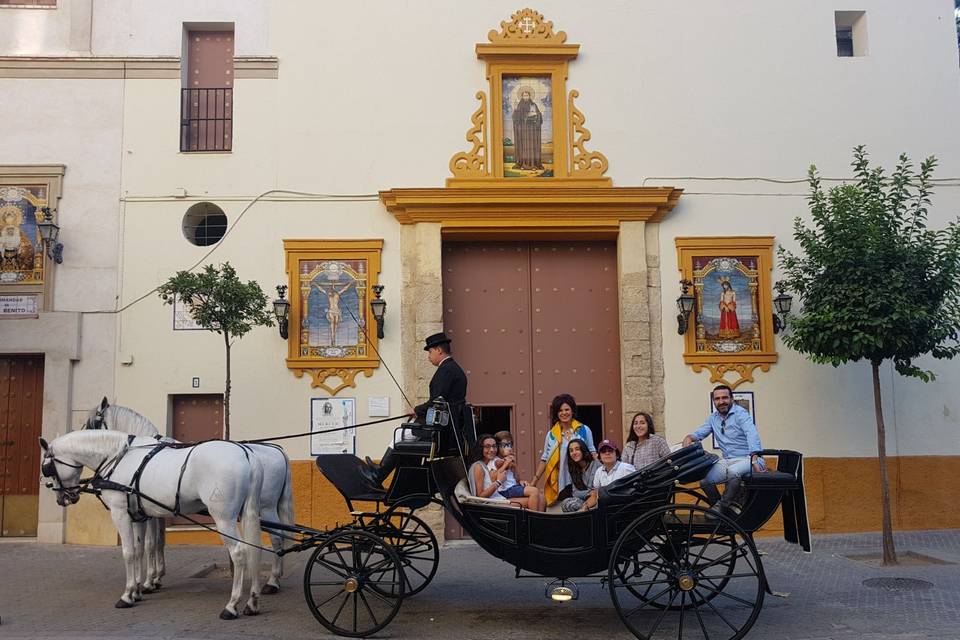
[
  {"x": 875, "y": 282},
  {"x": 220, "y": 302}
]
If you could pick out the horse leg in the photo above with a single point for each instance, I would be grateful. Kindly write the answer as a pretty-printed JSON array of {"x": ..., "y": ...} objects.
[
  {"x": 250, "y": 519},
  {"x": 238, "y": 554},
  {"x": 161, "y": 545},
  {"x": 152, "y": 581},
  {"x": 140, "y": 562},
  {"x": 276, "y": 542},
  {"x": 125, "y": 528}
]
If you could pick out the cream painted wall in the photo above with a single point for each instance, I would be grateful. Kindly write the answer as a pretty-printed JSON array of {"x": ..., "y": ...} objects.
[
  {"x": 267, "y": 399},
  {"x": 738, "y": 89}
]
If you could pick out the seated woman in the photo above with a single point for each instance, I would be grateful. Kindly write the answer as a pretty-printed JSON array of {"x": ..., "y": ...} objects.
[
  {"x": 517, "y": 491},
  {"x": 553, "y": 461},
  {"x": 484, "y": 484},
  {"x": 611, "y": 470},
  {"x": 643, "y": 445},
  {"x": 582, "y": 468}
]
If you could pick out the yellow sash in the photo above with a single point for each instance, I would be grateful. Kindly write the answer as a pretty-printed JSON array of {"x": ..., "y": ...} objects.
[{"x": 550, "y": 488}]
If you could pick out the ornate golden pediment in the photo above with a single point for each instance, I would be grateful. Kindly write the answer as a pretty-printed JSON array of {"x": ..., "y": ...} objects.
[{"x": 532, "y": 134}]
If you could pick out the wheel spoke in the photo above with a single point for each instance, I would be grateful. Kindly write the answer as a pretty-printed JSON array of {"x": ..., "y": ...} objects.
[
  {"x": 736, "y": 553},
  {"x": 683, "y": 601},
  {"x": 340, "y": 610},
  {"x": 366, "y": 604},
  {"x": 355, "y": 611},
  {"x": 703, "y": 627},
  {"x": 332, "y": 567},
  {"x": 647, "y": 602},
  {"x": 722, "y": 617},
  {"x": 383, "y": 597},
  {"x": 746, "y": 603},
  {"x": 713, "y": 535},
  {"x": 330, "y": 598},
  {"x": 662, "y": 614}
]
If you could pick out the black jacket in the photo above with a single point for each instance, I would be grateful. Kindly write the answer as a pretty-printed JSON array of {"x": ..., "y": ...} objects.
[{"x": 448, "y": 381}]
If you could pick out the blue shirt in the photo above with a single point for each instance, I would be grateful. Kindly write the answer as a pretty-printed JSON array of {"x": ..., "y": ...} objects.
[{"x": 735, "y": 434}]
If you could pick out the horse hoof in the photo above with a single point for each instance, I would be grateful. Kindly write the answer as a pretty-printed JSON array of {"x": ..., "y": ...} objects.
[
  {"x": 270, "y": 589},
  {"x": 226, "y": 615},
  {"x": 147, "y": 589},
  {"x": 123, "y": 604},
  {"x": 247, "y": 611}
]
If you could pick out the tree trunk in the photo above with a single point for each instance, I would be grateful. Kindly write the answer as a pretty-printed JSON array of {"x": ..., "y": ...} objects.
[
  {"x": 226, "y": 391},
  {"x": 889, "y": 551}
]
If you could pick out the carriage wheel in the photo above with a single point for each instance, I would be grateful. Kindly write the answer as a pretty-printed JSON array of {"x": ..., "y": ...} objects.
[
  {"x": 354, "y": 583},
  {"x": 416, "y": 545},
  {"x": 681, "y": 569}
]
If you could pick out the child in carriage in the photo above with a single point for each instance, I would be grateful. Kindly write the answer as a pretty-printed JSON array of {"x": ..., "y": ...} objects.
[
  {"x": 518, "y": 491},
  {"x": 613, "y": 469}
]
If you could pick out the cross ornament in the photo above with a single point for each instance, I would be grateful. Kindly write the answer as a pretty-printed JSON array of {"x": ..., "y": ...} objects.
[{"x": 526, "y": 25}]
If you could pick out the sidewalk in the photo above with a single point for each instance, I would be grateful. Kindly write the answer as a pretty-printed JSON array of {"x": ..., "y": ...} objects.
[{"x": 56, "y": 591}]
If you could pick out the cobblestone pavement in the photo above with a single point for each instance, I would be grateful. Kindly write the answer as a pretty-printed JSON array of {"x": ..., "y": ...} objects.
[{"x": 56, "y": 591}]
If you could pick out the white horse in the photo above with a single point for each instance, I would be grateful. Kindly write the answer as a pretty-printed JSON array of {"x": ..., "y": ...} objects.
[
  {"x": 276, "y": 499},
  {"x": 220, "y": 477}
]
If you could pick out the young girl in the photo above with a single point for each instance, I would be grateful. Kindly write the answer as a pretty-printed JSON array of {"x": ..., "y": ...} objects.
[
  {"x": 487, "y": 485},
  {"x": 519, "y": 492},
  {"x": 582, "y": 468},
  {"x": 643, "y": 446}
]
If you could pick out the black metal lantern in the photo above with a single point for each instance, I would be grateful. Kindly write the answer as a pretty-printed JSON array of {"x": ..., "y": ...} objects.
[
  {"x": 685, "y": 305},
  {"x": 49, "y": 231},
  {"x": 281, "y": 309},
  {"x": 782, "y": 304},
  {"x": 379, "y": 308}
]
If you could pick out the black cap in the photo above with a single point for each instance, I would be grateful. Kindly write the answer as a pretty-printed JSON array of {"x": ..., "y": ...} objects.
[{"x": 436, "y": 340}]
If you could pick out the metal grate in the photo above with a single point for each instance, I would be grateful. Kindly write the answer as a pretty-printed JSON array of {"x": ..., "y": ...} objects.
[
  {"x": 206, "y": 119},
  {"x": 898, "y": 584}
]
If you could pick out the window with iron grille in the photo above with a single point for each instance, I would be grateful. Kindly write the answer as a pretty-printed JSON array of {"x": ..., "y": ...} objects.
[
  {"x": 206, "y": 99},
  {"x": 204, "y": 224}
]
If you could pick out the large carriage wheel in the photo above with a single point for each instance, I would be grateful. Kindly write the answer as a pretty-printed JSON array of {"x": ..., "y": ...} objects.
[
  {"x": 354, "y": 583},
  {"x": 416, "y": 545},
  {"x": 681, "y": 570}
]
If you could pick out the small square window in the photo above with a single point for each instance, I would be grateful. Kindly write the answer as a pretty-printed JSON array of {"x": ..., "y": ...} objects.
[{"x": 851, "y": 32}]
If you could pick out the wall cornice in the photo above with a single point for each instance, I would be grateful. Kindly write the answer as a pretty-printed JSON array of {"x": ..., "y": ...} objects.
[{"x": 116, "y": 68}]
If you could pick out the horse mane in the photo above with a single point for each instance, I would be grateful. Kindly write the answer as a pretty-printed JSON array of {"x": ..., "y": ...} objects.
[
  {"x": 99, "y": 441},
  {"x": 125, "y": 419}
]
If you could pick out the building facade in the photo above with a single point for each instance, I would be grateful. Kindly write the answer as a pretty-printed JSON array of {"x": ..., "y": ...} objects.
[{"x": 533, "y": 182}]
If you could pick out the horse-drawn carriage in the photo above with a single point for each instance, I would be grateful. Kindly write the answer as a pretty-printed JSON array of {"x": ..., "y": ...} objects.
[{"x": 673, "y": 567}]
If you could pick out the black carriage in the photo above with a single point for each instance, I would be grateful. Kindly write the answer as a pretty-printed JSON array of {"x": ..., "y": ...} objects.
[{"x": 673, "y": 567}]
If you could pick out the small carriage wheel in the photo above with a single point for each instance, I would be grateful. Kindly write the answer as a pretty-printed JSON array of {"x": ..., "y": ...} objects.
[
  {"x": 354, "y": 583},
  {"x": 672, "y": 569},
  {"x": 416, "y": 545}
]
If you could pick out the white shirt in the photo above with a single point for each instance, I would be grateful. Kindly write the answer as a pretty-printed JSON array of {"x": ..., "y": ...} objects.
[{"x": 602, "y": 478}]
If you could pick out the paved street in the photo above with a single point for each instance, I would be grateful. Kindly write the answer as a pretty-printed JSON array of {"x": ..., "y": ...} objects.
[{"x": 68, "y": 592}]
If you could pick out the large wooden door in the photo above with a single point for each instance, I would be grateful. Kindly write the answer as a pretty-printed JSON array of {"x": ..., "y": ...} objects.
[
  {"x": 530, "y": 320},
  {"x": 21, "y": 414}
]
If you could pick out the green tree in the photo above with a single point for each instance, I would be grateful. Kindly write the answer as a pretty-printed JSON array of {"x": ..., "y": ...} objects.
[
  {"x": 219, "y": 302},
  {"x": 876, "y": 284}
]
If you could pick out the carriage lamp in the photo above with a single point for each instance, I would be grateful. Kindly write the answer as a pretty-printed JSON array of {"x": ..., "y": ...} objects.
[
  {"x": 782, "y": 304},
  {"x": 685, "y": 305},
  {"x": 281, "y": 309},
  {"x": 562, "y": 590},
  {"x": 49, "y": 230},
  {"x": 379, "y": 308}
]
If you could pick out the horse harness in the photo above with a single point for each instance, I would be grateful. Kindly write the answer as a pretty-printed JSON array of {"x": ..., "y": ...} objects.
[{"x": 100, "y": 481}]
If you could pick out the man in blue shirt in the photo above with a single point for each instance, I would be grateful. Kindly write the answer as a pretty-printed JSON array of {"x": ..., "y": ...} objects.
[{"x": 736, "y": 435}]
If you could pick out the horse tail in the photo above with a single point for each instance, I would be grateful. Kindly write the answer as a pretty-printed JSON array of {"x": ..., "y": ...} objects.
[{"x": 250, "y": 519}]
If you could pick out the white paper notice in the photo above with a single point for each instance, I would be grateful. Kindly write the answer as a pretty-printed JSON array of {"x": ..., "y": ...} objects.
[
  {"x": 378, "y": 406},
  {"x": 331, "y": 415}
]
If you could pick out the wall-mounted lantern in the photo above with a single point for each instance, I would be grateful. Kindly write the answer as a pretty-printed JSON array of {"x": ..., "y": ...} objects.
[
  {"x": 49, "y": 231},
  {"x": 379, "y": 308},
  {"x": 685, "y": 305},
  {"x": 281, "y": 309},
  {"x": 782, "y": 304}
]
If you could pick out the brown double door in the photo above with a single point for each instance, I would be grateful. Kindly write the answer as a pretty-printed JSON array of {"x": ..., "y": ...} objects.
[
  {"x": 530, "y": 320},
  {"x": 21, "y": 415}
]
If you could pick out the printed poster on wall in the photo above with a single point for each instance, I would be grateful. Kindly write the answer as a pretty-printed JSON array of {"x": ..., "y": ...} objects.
[{"x": 332, "y": 413}]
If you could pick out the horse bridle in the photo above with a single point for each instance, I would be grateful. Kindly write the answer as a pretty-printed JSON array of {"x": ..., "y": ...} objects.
[
  {"x": 98, "y": 422},
  {"x": 48, "y": 468}
]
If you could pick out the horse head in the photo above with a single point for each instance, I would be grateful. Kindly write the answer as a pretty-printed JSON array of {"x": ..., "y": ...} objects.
[
  {"x": 95, "y": 419},
  {"x": 63, "y": 475}
]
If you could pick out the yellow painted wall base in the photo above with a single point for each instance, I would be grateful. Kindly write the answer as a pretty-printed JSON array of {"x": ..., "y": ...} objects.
[{"x": 843, "y": 495}]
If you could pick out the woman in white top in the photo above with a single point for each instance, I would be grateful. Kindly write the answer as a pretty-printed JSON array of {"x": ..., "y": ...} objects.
[
  {"x": 486, "y": 482},
  {"x": 643, "y": 445}
]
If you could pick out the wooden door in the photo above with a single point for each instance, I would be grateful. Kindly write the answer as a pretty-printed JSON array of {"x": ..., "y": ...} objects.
[
  {"x": 530, "y": 320},
  {"x": 21, "y": 414}
]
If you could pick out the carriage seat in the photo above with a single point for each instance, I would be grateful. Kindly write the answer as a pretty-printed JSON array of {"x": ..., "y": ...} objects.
[
  {"x": 343, "y": 472},
  {"x": 465, "y": 496},
  {"x": 787, "y": 476}
]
